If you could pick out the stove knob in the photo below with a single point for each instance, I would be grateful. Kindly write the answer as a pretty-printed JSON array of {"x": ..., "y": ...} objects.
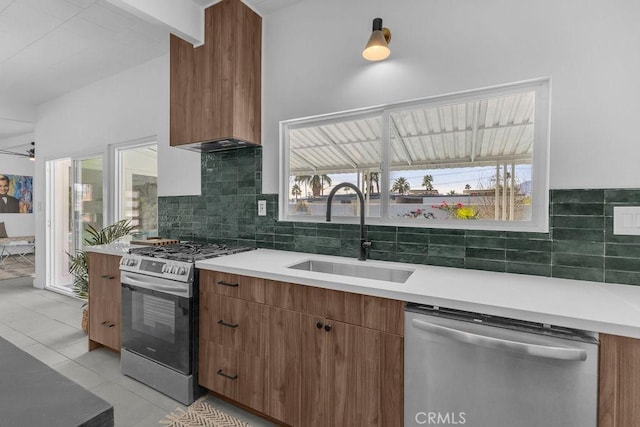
[
  {"x": 182, "y": 271},
  {"x": 173, "y": 269},
  {"x": 165, "y": 269}
]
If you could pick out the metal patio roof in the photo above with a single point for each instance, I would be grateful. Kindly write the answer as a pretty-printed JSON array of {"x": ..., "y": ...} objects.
[{"x": 480, "y": 133}]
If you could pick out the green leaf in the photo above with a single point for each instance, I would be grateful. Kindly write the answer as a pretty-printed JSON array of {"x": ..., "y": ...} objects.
[{"x": 78, "y": 261}]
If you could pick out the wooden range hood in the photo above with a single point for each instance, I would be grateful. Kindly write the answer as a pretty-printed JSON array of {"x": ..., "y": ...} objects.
[{"x": 215, "y": 89}]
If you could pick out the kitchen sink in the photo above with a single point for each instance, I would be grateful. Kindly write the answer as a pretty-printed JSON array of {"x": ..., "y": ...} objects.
[{"x": 363, "y": 270}]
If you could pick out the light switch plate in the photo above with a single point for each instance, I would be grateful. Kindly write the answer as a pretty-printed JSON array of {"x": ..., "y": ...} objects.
[
  {"x": 626, "y": 220},
  {"x": 262, "y": 208}
]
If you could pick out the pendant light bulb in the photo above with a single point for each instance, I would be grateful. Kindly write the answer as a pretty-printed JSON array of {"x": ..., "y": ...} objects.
[{"x": 377, "y": 48}]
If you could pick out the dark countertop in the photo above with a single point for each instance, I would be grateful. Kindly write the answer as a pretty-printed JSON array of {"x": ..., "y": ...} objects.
[{"x": 35, "y": 395}]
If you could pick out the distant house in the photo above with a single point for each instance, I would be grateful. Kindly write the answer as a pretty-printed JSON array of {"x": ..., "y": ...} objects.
[{"x": 423, "y": 193}]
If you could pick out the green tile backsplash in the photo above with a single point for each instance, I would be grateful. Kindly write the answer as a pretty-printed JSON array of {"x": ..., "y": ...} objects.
[{"x": 580, "y": 244}]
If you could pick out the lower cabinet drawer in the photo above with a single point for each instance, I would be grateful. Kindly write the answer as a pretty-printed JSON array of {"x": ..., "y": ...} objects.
[
  {"x": 235, "y": 374},
  {"x": 233, "y": 323},
  {"x": 104, "y": 322}
]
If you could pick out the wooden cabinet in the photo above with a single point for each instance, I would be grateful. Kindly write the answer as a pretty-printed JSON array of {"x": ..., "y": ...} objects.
[
  {"x": 104, "y": 301},
  {"x": 284, "y": 358},
  {"x": 232, "y": 285},
  {"x": 352, "y": 373},
  {"x": 364, "y": 377},
  {"x": 215, "y": 89},
  {"x": 329, "y": 358},
  {"x": 231, "y": 338},
  {"x": 619, "y": 378}
]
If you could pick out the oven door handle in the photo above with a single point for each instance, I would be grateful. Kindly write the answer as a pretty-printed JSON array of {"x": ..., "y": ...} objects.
[{"x": 139, "y": 282}]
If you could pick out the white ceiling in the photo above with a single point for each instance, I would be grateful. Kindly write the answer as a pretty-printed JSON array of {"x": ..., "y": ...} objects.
[
  {"x": 262, "y": 7},
  {"x": 51, "y": 47}
]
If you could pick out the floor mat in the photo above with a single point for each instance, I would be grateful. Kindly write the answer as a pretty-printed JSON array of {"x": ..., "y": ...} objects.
[{"x": 201, "y": 414}]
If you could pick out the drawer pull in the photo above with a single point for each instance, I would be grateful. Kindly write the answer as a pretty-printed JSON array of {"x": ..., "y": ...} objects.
[
  {"x": 108, "y": 276},
  {"x": 107, "y": 324},
  {"x": 223, "y": 283},
  {"x": 222, "y": 374},
  {"x": 229, "y": 325}
]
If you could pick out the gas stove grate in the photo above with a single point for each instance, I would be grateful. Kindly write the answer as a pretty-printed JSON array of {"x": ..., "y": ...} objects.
[{"x": 189, "y": 251}]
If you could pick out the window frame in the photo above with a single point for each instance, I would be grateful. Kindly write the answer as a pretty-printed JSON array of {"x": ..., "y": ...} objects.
[
  {"x": 539, "y": 221},
  {"x": 115, "y": 171}
]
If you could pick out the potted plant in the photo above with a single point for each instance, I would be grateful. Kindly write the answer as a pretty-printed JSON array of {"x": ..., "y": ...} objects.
[{"x": 78, "y": 262}]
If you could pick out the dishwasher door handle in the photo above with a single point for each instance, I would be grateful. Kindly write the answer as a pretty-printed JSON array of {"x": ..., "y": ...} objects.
[{"x": 548, "y": 352}]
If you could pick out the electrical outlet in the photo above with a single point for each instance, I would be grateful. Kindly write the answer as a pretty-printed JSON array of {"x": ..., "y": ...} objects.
[
  {"x": 262, "y": 208},
  {"x": 626, "y": 220}
]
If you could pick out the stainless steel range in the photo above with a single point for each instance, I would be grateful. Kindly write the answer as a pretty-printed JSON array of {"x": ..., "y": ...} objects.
[{"x": 160, "y": 315}]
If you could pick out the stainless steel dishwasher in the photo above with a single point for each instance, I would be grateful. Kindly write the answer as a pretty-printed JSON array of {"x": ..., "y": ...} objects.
[{"x": 471, "y": 369}]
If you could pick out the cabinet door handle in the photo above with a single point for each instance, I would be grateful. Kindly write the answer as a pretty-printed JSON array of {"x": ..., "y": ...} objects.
[
  {"x": 108, "y": 276},
  {"x": 229, "y": 325},
  {"x": 327, "y": 328},
  {"x": 223, "y": 283},
  {"x": 108, "y": 324},
  {"x": 319, "y": 325},
  {"x": 222, "y": 374}
]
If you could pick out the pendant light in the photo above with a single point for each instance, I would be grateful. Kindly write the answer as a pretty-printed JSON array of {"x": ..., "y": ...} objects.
[{"x": 377, "y": 48}]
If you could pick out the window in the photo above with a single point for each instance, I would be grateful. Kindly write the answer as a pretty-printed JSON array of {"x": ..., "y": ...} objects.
[
  {"x": 476, "y": 160},
  {"x": 137, "y": 187}
]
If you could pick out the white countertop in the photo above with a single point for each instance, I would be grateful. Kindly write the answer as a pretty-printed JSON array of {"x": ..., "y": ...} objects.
[
  {"x": 592, "y": 306},
  {"x": 119, "y": 248}
]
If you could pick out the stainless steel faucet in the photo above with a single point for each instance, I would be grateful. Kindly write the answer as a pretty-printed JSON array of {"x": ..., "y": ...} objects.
[{"x": 364, "y": 244}]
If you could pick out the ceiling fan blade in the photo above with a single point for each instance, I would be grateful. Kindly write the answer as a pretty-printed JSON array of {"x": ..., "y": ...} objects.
[{"x": 11, "y": 153}]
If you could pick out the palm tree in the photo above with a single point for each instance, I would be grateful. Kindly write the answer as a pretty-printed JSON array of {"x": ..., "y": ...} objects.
[
  {"x": 296, "y": 191},
  {"x": 78, "y": 266},
  {"x": 467, "y": 186},
  {"x": 452, "y": 192},
  {"x": 374, "y": 177},
  {"x": 316, "y": 182},
  {"x": 401, "y": 185},
  {"x": 303, "y": 179},
  {"x": 427, "y": 182},
  {"x": 324, "y": 179}
]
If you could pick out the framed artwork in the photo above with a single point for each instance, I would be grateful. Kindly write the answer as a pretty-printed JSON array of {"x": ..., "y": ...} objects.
[{"x": 16, "y": 194}]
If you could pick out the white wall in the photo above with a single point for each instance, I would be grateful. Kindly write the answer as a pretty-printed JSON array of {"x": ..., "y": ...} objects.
[
  {"x": 132, "y": 105},
  {"x": 313, "y": 65},
  {"x": 17, "y": 224}
]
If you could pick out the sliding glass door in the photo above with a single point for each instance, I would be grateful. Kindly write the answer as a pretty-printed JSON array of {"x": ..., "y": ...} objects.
[
  {"x": 88, "y": 200},
  {"x": 75, "y": 189},
  {"x": 77, "y": 198}
]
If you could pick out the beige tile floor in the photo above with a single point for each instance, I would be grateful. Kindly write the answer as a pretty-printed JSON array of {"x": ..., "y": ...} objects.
[{"x": 46, "y": 325}]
